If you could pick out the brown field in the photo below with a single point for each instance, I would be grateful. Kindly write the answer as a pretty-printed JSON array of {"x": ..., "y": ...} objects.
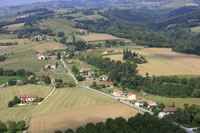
[
  {"x": 49, "y": 46},
  {"x": 79, "y": 117},
  {"x": 20, "y": 41},
  {"x": 14, "y": 25},
  {"x": 98, "y": 37},
  {"x": 162, "y": 61}
]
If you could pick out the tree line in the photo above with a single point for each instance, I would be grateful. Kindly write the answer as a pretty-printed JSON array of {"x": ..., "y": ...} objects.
[
  {"x": 132, "y": 56},
  {"x": 145, "y": 123},
  {"x": 12, "y": 126}
]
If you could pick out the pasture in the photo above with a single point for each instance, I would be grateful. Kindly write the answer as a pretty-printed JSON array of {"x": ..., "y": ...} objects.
[
  {"x": 14, "y": 26},
  {"x": 163, "y": 61},
  {"x": 19, "y": 113},
  {"x": 74, "y": 107},
  {"x": 4, "y": 79},
  {"x": 41, "y": 48},
  {"x": 98, "y": 37},
  {"x": 196, "y": 29}
]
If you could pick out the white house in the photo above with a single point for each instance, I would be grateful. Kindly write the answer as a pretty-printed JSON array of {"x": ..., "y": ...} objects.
[
  {"x": 40, "y": 57},
  {"x": 50, "y": 66},
  {"x": 117, "y": 93},
  {"x": 166, "y": 111},
  {"x": 103, "y": 77},
  {"x": 109, "y": 85},
  {"x": 131, "y": 96},
  {"x": 26, "y": 98},
  {"x": 149, "y": 102},
  {"x": 84, "y": 68}
]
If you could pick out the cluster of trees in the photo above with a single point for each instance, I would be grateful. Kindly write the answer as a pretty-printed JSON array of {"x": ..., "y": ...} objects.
[
  {"x": 2, "y": 58},
  {"x": 8, "y": 44},
  {"x": 128, "y": 55},
  {"x": 190, "y": 115},
  {"x": 20, "y": 72},
  {"x": 13, "y": 102},
  {"x": 30, "y": 32},
  {"x": 12, "y": 126},
  {"x": 139, "y": 123}
]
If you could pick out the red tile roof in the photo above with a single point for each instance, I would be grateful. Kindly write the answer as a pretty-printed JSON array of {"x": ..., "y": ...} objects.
[
  {"x": 29, "y": 96},
  {"x": 129, "y": 94},
  {"x": 116, "y": 90},
  {"x": 85, "y": 67},
  {"x": 110, "y": 50},
  {"x": 39, "y": 55},
  {"x": 170, "y": 109},
  {"x": 108, "y": 83}
]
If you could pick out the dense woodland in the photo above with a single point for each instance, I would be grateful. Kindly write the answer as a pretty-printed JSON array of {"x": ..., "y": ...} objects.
[
  {"x": 154, "y": 31},
  {"x": 140, "y": 123}
]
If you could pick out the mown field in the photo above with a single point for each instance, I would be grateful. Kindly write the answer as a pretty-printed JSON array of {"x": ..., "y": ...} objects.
[
  {"x": 196, "y": 29},
  {"x": 74, "y": 107},
  {"x": 162, "y": 61},
  {"x": 19, "y": 113},
  {"x": 98, "y": 37}
]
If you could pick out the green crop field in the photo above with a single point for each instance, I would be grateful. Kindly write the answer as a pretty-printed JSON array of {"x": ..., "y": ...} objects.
[
  {"x": 4, "y": 79},
  {"x": 19, "y": 113},
  {"x": 65, "y": 99}
]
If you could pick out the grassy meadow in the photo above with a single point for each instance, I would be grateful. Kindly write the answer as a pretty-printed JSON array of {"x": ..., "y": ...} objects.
[
  {"x": 4, "y": 79},
  {"x": 19, "y": 113}
]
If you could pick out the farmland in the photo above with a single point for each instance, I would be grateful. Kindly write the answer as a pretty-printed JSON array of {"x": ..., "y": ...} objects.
[
  {"x": 4, "y": 79},
  {"x": 98, "y": 37},
  {"x": 196, "y": 29},
  {"x": 18, "y": 113},
  {"x": 162, "y": 61},
  {"x": 74, "y": 107}
]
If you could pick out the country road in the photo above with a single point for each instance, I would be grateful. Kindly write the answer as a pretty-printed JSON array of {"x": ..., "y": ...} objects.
[{"x": 188, "y": 130}]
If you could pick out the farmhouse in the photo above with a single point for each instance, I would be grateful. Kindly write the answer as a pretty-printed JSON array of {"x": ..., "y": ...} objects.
[
  {"x": 50, "y": 66},
  {"x": 40, "y": 57},
  {"x": 26, "y": 98},
  {"x": 110, "y": 51},
  {"x": 103, "y": 78},
  {"x": 109, "y": 85},
  {"x": 130, "y": 96},
  {"x": 149, "y": 102},
  {"x": 53, "y": 57},
  {"x": 166, "y": 111},
  {"x": 84, "y": 68},
  {"x": 90, "y": 50},
  {"x": 52, "y": 80},
  {"x": 69, "y": 61},
  {"x": 117, "y": 93}
]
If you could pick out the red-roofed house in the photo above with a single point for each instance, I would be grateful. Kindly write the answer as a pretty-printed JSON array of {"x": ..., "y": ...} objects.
[
  {"x": 109, "y": 85},
  {"x": 50, "y": 66},
  {"x": 170, "y": 110},
  {"x": 117, "y": 93},
  {"x": 40, "y": 57},
  {"x": 110, "y": 51},
  {"x": 131, "y": 96},
  {"x": 90, "y": 50},
  {"x": 26, "y": 98},
  {"x": 84, "y": 68},
  {"x": 149, "y": 102},
  {"x": 69, "y": 61}
]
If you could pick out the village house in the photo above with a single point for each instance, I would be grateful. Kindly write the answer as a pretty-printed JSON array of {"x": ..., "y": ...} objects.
[
  {"x": 90, "y": 50},
  {"x": 149, "y": 102},
  {"x": 52, "y": 80},
  {"x": 84, "y": 68},
  {"x": 40, "y": 57},
  {"x": 129, "y": 96},
  {"x": 87, "y": 77},
  {"x": 109, "y": 85},
  {"x": 167, "y": 111},
  {"x": 117, "y": 93},
  {"x": 103, "y": 78},
  {"x": 50, "y": 66},
  {"x": 53, "y": 57},
  {"x": 27, "y": 98},
  {"x": 69, "y": 61}
]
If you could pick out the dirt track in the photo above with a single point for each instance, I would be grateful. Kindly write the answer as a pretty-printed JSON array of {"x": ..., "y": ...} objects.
[{"x": 79, "y": 117}]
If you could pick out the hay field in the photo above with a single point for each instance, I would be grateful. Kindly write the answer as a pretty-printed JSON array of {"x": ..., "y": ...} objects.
[
  {"x": 65, "y": 99},
  {"x": 162, "y": 61},
  {"x": 196, "y": 29},
  {"x": 49, "y": 46},
  {"x": 19, "y": 113},
  {"x": 98, "y": 37},
  {"x": 14, "y": 26},
  {"x": 79, "y": 117}
]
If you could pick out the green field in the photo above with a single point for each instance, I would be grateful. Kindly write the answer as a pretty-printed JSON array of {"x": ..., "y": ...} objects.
[
  {"x": 4, "y": 79},
  {"x": 7, "y": 36},
  {"x": 65, "y": 99},
  {"x": 19, "y": 113}
]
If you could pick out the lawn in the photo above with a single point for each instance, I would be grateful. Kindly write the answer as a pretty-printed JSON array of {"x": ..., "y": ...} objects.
[
  {"x": 162, "y": 62},
  {"x": 4, "y": 79},
  {"x": 19, "y": 113}
]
